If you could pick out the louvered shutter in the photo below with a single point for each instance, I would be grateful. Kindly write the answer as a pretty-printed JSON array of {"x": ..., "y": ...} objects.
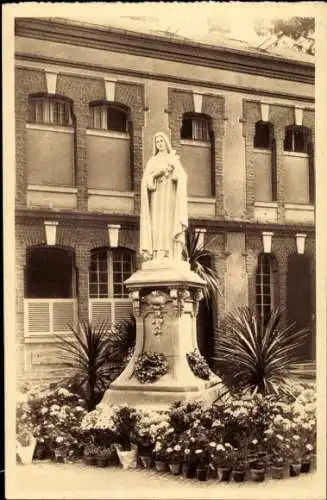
[
  {"x": 101, "y": 311},
  {"x": 122, "y": 310},
  {"x": 63, "y": 316},
  {"x": 38, "y": 317}
]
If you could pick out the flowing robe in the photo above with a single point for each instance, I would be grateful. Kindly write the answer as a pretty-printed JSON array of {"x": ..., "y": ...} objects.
[{"x": 163, "y": 208}]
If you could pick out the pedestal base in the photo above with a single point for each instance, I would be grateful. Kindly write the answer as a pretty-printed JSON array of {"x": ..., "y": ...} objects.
[
  {"x": 158, "y": 400},
  {"x": 165, "y": 298}
]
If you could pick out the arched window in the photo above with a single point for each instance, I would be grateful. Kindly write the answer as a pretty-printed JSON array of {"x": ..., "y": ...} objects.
[
  {"x": 42, "y": 276},
  {"x": 298, "y": 165},
  {"x": 50, "y": 304},
  {"x": 196, "y": 127},
  {"x": 106, "y": 116},
  {"x": 266, "y": 286},
  {"x": 110, "y": 147},
  {"x": 50, "y": 145},
  {"x": 51, "y": 110},
  {"x": 265, "y": 162},
  {"x": 109, "y": 269},
  {"x": 198, "y": 154},
  {"x": 264, "y": 134},
  {"x": 108, "y": 297},
  {"x": 296, "y": 139}
]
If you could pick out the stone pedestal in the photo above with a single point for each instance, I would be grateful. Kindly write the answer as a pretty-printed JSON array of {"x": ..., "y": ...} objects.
[{"x": 165, "y": 298}]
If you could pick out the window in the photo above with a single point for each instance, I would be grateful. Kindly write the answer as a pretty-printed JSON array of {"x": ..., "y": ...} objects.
[
  {"x": 266, "y": 276},
  {"x": 42, "y": 279},
  {"x": 108, "y": 117},
  {"x": 264, "y": 133},
  {"x": 296, "y": 139},
  {"x": 50, "y": 110},
  {"x": 196, "y": 128},
  {"x": 108, "y": 271}
]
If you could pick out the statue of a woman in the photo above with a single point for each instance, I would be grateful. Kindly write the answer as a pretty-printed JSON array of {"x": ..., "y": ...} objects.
[{"x": 163, "y": 203}]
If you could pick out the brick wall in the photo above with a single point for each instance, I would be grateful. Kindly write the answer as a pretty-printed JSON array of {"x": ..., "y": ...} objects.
[
  {"x": 180, "y": 102},
  {"x": 280, "y": 117},
  {"x": 82, "y": 91}
]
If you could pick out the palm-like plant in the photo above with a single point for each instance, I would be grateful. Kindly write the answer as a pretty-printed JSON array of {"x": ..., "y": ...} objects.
[
  {"x": 258, "y": 357},
  {"x": 200, "y": 257},
  {"x": 86, "y": 353}
]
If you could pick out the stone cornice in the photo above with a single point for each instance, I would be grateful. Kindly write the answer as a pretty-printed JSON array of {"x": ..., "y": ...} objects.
[
  {"x": 28, "y": 216},
  {"x": 48, "y": 61},
  {"x": 189, "y": 52}
]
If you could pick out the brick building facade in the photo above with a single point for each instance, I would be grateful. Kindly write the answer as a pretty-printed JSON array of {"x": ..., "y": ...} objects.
[{"x": 88, "y": 101}]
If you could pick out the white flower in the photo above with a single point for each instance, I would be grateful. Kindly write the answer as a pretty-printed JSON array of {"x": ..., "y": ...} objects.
[
  {"x": 309, "y": 447},
  {"x": 254, "y": 441},
  {"x": 64, "y": 392},
  {"x": 44, "y": 410},
  {"x": 212, "y": 444},
  {"x": 296, "y": 437},
  {"x": 59, "y": 439},
  {"x": 278, "y": 436},
  {"x": 220, "y": 447},
  {"x": 187, "y": 451},
  {"x": 177, "y": 447},
  {"x": 169, "y": 450},
  {"x": 228, "y": 445},
  {"x": 198, "y": 451}
]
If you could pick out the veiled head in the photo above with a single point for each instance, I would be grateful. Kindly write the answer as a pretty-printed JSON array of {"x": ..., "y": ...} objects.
[{"x": 161, "y": 143}]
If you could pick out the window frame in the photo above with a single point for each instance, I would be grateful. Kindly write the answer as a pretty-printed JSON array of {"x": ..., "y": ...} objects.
[
  {"x": 264, "y": 285},
  {"x": 50, "y": 110},
  {"x": 102, "y": 121},
  {"x": 197, "y": 123},
  {"x": 111, "y": 255},
  {"x": 270, "y": 130},
  {"x": 295, "y": 129}
]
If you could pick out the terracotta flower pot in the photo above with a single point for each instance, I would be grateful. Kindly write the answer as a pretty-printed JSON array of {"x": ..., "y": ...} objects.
[
  {"x": 305, "y": 466},
  {"x": 258, "y": 475},
  {"x": 224, "y": 473},
  {"x": 101, "y": 462},
  {"x": 160, "y": 466},
  {"x": 90, "y": 460},
  {"x": 295, "y": 470},
  {"x": 238, "y": 476},
  {"x": 202, "y": 473},
  {"x": 175, "y": 468},
  {"x": 277, "y": 472},
  {"x": 146, "y": 461}
]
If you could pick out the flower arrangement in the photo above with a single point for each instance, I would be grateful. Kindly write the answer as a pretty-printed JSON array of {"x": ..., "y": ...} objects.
[
  {"x": 198, "y": 365},
  {"x": 150, "y": 366},
  {"x": 148, "y": 428}
]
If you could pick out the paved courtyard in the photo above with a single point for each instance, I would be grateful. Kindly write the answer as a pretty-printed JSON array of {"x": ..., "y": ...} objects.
[{"x": 46, "y": 480}]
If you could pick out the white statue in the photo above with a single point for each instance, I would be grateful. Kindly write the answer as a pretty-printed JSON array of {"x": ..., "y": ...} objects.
[{"x": 163, "y": 203}]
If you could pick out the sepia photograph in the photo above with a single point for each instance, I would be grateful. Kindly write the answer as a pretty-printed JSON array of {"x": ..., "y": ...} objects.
[{"x": 165, "y": 250}]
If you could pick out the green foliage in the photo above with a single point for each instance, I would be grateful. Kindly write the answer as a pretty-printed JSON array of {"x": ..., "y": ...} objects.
[
  {"x": 258, "y": 358},
  {"x": 200, "y": 259},
  {"x": 86, "y": 353}
]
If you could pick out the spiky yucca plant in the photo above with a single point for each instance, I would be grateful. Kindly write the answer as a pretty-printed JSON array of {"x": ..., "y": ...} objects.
[
  {"x": 199, "y": 257},
  {"x": 257, "y": 357},
  {"x": 86, "y": 353}
]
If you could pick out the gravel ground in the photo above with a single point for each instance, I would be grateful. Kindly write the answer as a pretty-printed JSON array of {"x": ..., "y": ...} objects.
[{"x": 48, "y": 480}]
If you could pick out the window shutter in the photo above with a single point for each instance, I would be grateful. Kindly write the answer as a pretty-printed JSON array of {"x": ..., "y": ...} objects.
[
  {"x": 273, "y": 170},
  {"x": 311, "y": 173},
  {"x": 122, "y": 310},
  {"x": 38, "y": 317},
  {"x": 101, "y": 312}
]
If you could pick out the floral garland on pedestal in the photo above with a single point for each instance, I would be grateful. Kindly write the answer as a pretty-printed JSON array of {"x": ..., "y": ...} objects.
[
  {"x": 198, "y": 365},
  {"x": 150, "y": 366}
]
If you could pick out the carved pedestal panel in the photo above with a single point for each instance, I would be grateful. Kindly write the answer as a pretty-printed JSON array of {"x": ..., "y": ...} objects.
[{"x": 165, "y": 310}]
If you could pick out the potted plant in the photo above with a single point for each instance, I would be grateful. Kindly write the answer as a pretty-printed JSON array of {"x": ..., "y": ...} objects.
[
  {"x": 295, "y": 455},
  {"x": 224, "y": 458},
  {"x": 148, "y": 428},
  {"x": 306, "y": 458},
  {"x": 174, "y": 455},
  {"x": 104, "y": 455},
  {"x": 160, "y": 456},
  {"x": 124, "y": 420},
  {"x": 239, "y": 466},
  {"x": 90, "y": 454},
  {"x": 25, "y": 445}
]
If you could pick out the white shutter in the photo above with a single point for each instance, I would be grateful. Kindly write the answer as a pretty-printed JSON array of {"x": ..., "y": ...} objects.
[
  {"x": 101, "y": 311},
  {"x": 38, "y": 317},
  {"x": 63, "y": 316},
  {"x": 122, "y": 309}
]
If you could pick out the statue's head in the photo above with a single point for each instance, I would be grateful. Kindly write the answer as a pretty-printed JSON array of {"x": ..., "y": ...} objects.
[{"x": 161, "y": 143}]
